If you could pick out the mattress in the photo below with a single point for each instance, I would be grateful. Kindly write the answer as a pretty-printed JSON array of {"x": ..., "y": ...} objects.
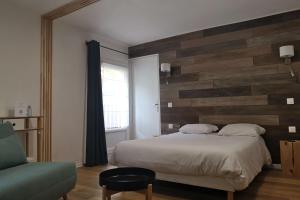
[{"x": 237, "y": 159}]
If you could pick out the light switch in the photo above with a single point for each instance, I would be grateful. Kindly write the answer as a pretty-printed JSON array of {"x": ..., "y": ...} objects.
[
  {"x": 170, "y": 126},
  {"x": 290, "y": 101},
  {"x": 292, "y": 129},
  {"x": 170, "y": 105}
]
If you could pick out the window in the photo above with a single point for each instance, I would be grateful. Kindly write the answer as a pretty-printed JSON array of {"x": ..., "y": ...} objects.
[{"x": 115, "y": 96}]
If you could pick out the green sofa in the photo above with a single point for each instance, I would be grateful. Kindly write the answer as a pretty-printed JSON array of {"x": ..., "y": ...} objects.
[{"x": 20, "y": 180}]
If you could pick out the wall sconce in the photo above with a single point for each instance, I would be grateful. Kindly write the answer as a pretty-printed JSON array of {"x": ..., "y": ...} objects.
[
  {"x": 166, "y": 68},
  {"x": 287, "y": 52}
]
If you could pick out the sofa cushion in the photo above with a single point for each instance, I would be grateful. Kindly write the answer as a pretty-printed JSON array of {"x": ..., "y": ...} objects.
[
  {"x": 6, "y": 130},
  {"x": 34, "y": 181},
  {"x": 11, "y": 150}
]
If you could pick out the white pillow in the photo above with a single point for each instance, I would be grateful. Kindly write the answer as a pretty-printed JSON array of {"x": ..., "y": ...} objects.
[
  {"x": 252, "y": 130},
  {"x": 198, "y": 128}
]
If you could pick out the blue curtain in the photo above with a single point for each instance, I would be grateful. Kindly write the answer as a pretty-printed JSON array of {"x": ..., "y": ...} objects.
[{"x": 96, "y": 152}]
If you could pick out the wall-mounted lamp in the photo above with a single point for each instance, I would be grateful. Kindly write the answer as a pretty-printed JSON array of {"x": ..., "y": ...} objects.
[
  {"x": 287, "y": 52},
  {"x": 166, "y": 68}
]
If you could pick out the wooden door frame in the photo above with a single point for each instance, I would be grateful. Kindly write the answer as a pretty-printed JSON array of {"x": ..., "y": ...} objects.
[{"x": 45, "y": 138}]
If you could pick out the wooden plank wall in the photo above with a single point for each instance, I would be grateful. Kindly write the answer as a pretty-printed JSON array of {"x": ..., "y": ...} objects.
[{"x": 232, "y": 74}]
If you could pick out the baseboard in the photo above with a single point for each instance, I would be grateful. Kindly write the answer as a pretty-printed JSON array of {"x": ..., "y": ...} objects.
[
  {"x": 79, "y": 164},
  {"x": 31, "y": 159},
  {"x": 110, "y": 153},
  {"x": 275, "y": 166},
  {"x": 110, "y": 150}
]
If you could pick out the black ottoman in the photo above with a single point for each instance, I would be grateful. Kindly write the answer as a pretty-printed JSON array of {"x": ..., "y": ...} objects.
[{"x": 125, "y": 179}]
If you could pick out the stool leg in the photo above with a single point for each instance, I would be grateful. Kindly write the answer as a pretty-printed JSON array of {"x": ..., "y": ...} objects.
[
  {"x": 108, "y": 194},
  {"x": 104, "y": 192},
  {"x": 149, "y": 192}
]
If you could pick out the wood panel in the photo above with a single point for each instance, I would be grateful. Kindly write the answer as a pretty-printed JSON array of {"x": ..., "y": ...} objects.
[
  {"x": 188, "y": 85},
  {"x": 212, "y": 48},
  {"x": 183, "y": 118},
  {"x": 231, "y": 119},
  {"x": 233, "y": 54},
  {"x": 287, "y": 157},
  {"x": 259, "y": 79},
  {"x": 217, "y": 92},
  {"x": 281, "y": 99},
  {"x": 179, "y": 78},
  {"x": 232, "y": 74},
  {"x": 219, "y": 38},
  {"x": 219, "y": 101},
  {"x": 253, "y": 23},
  {"x": 293, "y": 88},
  {"x": 296, "y": 148},
  {"x": 217, "y": 65}
]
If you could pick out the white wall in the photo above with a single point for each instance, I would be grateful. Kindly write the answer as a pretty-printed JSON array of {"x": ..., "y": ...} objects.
[
  {"x": 19, "y": 58},
  {"x": 19, "y": 62},
  {"x": 69, "y": 72},
  {"x": 69, "y": 61}
]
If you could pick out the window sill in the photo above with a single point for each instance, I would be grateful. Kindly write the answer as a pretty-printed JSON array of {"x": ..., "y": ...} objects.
[{"x": 116, "y": 130}]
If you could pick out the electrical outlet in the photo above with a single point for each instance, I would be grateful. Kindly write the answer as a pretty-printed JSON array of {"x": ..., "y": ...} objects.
[
  {"x": 290, "y": 101},
  {"x": 170, "y": 105},
  {"x": 171, "y": 126},
  {"x": 292, "y": 129}
]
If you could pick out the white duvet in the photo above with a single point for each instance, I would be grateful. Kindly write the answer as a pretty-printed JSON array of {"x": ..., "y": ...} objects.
[{"x": 236, "y": 158}]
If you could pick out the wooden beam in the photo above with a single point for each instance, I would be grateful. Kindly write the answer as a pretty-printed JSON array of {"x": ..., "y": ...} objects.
[
  {"x": 46, "y": 88},
  {"x": 45, "y": 138},
  {"x": 26, "y": 127},
  {"x": 68, "y": 8}
]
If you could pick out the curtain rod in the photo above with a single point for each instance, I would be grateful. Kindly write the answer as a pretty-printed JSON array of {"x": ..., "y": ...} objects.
[{"x": 105, "y": 47}]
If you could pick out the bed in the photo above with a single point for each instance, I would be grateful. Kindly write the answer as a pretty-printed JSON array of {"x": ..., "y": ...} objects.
[{"x": 226, "y": 163}]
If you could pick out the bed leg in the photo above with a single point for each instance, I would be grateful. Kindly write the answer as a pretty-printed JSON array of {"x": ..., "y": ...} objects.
[{"x": 230, "y": 195}]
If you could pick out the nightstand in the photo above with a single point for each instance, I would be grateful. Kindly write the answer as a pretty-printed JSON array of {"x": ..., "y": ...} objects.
[{"x": 290, "y": 157}]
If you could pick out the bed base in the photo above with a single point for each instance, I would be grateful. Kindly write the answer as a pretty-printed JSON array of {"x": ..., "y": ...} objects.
[
  {"x": 201, "y": 181},
  {"x": 216, "y": 183}
]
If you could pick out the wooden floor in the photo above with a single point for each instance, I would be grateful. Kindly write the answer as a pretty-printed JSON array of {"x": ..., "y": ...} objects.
[{"x": 269, "y": 185}]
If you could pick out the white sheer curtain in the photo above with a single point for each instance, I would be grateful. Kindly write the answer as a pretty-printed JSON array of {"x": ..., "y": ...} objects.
[{"x": 115, "y": 96}]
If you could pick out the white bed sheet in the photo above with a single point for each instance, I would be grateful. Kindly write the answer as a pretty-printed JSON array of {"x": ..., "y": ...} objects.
[{"x": 237, "y": 159}]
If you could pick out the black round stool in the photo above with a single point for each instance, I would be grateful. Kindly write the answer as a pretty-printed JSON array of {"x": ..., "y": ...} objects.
[{"x": 125, "y": 179}]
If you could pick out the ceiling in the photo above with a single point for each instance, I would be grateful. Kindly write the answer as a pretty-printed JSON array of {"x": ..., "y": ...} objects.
[
  {"x": 41, "y": 6},
  {"x": 138, "y": 21}
]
